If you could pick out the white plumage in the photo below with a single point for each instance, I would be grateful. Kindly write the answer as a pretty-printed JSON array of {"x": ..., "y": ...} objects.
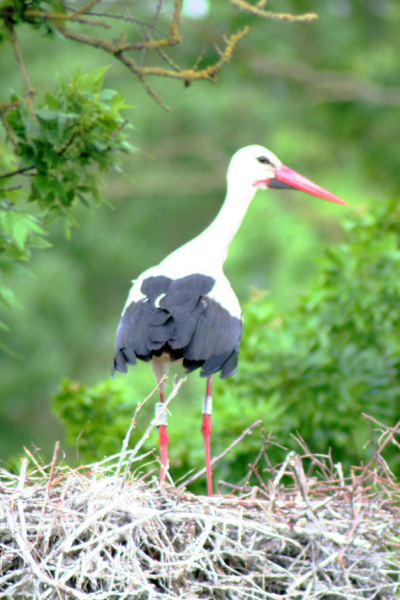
[{"x": 207, "y": 252}]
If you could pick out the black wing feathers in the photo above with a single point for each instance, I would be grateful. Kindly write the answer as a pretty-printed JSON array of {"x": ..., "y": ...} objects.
[{"x": 178, "y": 317}]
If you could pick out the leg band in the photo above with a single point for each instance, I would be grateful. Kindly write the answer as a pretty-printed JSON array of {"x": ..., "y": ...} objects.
[
  {"x": 207, "y": 405},
  {"x": 160, "y": 419}
]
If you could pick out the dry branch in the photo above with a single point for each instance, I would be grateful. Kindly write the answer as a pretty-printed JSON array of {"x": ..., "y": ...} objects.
[
  {"x": 69, "y": 22},
  {"x": 29, "y": 89},
  {"x": 258, "y": 11}
]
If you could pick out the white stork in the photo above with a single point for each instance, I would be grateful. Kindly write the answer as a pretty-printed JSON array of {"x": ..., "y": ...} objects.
[{"x": 184, "y": 308}]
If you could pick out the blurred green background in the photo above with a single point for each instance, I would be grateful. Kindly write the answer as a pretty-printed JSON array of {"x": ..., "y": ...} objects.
[{"x": 324, "y": 97}]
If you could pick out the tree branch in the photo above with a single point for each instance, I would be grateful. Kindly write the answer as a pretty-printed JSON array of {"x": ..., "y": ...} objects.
[
  {"x": 87, "y": 6},
  {"x": 29, "y": 89},
  {"x": 75, "y": 16},
  {"x": 208, "y": 72},
  {"x": 4, "y": 107},
  {"x": 17, "y": 172},
  {"x": 119, "y": 47},
  {"x": 258, "y": 11}
]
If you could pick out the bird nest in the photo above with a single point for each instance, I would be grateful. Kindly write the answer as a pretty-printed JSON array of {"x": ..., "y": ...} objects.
[{"x": 101, "y": 532}]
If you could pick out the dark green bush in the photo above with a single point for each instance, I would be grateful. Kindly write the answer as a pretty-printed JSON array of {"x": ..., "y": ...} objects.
[{"x": 336, "y": 353}]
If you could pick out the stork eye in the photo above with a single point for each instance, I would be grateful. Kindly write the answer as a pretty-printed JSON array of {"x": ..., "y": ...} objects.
[{"x": 264, "y": 160}]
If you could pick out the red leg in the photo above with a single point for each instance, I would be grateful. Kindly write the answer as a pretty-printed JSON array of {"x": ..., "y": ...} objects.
[
  {"x": 206, "y": 431},
  {"x": 163, "y": 440}
]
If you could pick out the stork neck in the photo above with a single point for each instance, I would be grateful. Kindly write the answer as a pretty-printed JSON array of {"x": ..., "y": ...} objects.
[
  {"x": 207, "y": 252},
  {"x": 222, "y": 230}
]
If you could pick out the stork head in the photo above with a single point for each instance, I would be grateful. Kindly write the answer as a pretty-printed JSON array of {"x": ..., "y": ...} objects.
[{"x": 258, "y": 167}]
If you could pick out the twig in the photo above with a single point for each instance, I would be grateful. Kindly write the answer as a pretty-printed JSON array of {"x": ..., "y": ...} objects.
[
  {"x": 76, "y": 16},
  {"x": 258, "y": 11},
  {"x": 33, "y": 459},
  {"x": 232, "y": 486},
  {"x": 283, "y": 468},
  {"x": 145, "y": 476},
  {"x": 224, "y": 453},
  {"x": 17, "y": 172},
  {"x": 87, "y": 6},
  {"x": 257, "y": 476},
  {"x": 53, "y": 462},
  {"x": 149, "y": 33},
  {"x": 133, "y": 425},
  {"x": 210, "y": 72},
  {"x": 140, "y": 443},
  {"x": 45, "y": 579},
  {"x": 261, "y": 453},
  {"x": 302, "y": 484},
  {"x": 386, "y": 436},
  {"x": 125, "y": 17},
  {"x": 57, "y": 513},
  {"x": 29, "y": 89},
  {"x": 4, "y": 107},
  {"x": 307, "y": 453},
  {"x": 24, "y": 465},
  {"x": 78, "y": 437},
  {"x": 169, "y": 60},
  {"x": 301, "y": 580}
]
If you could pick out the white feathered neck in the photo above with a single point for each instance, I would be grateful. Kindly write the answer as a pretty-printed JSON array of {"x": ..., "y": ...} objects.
[{"x": 207, "y": 252}]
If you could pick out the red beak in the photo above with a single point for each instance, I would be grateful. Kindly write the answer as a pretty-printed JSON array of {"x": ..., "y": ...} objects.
[{"x": 286, "y": 178}]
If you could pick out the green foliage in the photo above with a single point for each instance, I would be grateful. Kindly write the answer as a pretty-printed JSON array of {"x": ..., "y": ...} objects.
[
  {"x": 78, "y": 127},
  {"x": 14, "y": 12},
  {"x": 61, "y": 146},
  {"x": 89, "y": 413},
  {"x": 334, "y": 355},
  {"x": 20, "y": 232},
  {"x": 315, "y": 369}
]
